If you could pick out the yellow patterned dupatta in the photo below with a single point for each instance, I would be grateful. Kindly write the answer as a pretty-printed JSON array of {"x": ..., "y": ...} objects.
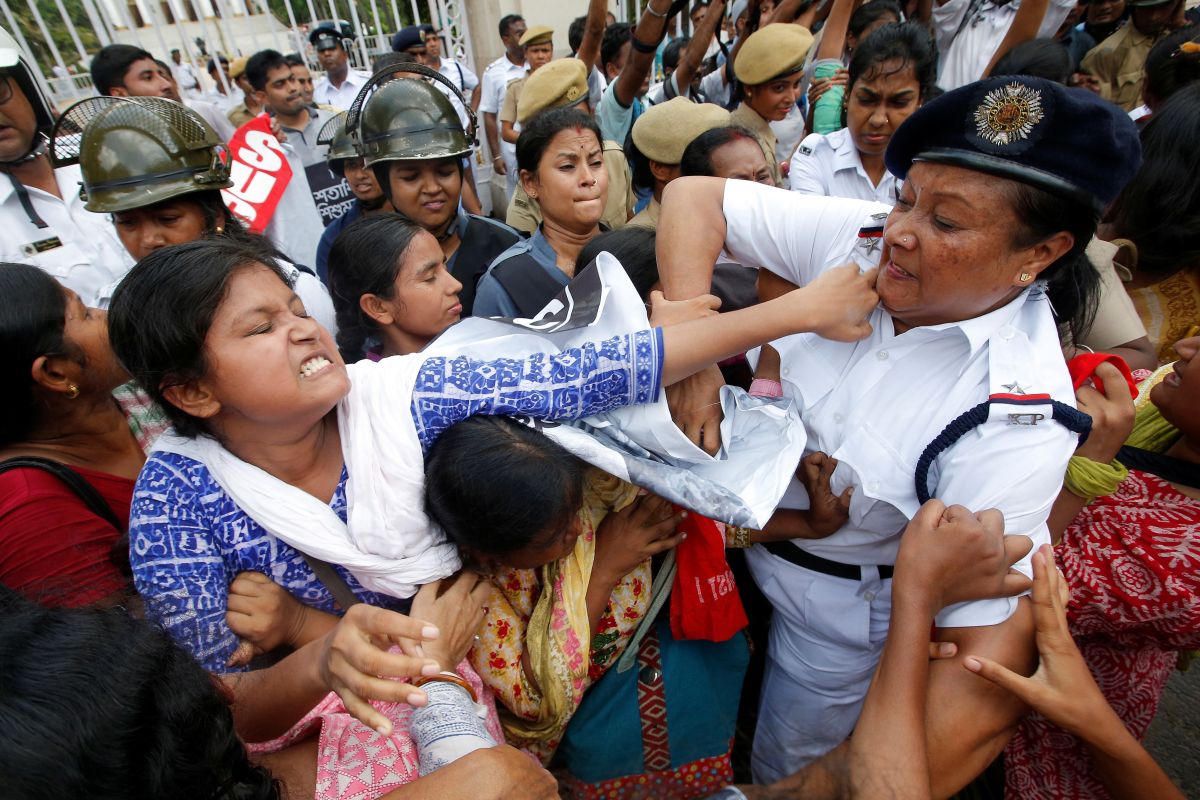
[
  {"x": 1170, "y": 310},
  {"x": 540, "y": 616}
]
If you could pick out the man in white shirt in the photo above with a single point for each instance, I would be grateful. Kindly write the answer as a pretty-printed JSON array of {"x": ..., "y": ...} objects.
[
  {"x": 185, "y": 75},
  {"x": 504, "y": 70},
  {"x": 968, "y": 32},
  {"x": 225, "y": 94},
  {"x": 457, "y": 72},
  {"x": 829, "y": 165},
  {"x": 341, "y": 84},
  {"x": 41, "y": 213}
]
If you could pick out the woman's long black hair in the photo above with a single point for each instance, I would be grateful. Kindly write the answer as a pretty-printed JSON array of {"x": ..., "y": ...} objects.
[{"x": 95, "y": 703}]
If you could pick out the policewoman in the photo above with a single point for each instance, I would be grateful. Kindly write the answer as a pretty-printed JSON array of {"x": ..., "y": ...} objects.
[
  {"x": 770, "y": 67},
  {"x": 562, "y": 84},
  {"x": 410, "y": 135},
  {"x": 659, "y": 137},
  {"x": 978, "y": 263},
  {"x": 158, "y": 168},
  {"x": 344, "y": 161}
]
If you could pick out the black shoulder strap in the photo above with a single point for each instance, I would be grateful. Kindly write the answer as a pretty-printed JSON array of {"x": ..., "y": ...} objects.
[
  {"x": 526, "y": 283},
  {"x": 1169, "y": 468},
  {"x": 86, "y": 493},
  {"x": 337, "y": 587}
]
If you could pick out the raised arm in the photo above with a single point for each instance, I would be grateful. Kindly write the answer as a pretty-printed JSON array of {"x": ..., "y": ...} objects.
[
  {"x": 593, "y": 33},
  {"x": 694, "y": 54},
  {"x": 646, "y": 35},
  {"x": 691, "y": 234},
  {"x": 833, "y": 40}
]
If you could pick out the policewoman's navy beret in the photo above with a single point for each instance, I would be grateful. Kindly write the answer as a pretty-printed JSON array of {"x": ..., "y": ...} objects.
[
  {"x": 1069, "y": 142},
  {"x": 406, "y": 38}
]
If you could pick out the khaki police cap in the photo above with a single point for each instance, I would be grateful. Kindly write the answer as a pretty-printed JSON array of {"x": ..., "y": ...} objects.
[
  {"x": 665, "y": 130},
  {"x": 778, "y": 49},
  {"x": 538, "y": 34},
  {"x": 238, "y": 68},
  {"x": 562, "y": 82}
]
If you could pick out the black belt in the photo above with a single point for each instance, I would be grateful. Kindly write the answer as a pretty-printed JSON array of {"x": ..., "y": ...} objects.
[{"x": 789, "y": 551}]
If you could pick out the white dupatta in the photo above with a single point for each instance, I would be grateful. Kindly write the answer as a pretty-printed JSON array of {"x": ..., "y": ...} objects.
[{"x": 387, "y": 543}]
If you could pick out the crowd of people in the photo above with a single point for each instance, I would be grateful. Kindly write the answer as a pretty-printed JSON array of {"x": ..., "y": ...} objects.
[{"x": 807, "y": 406}]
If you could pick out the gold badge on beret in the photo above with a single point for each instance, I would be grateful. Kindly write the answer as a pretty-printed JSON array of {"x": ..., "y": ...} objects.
[
  {"x": 1008, "y": 114},
  {"x": 573, "y": 93}
]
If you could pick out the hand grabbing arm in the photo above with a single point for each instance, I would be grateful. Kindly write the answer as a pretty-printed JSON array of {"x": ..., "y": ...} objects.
[{"x": 1063, "y": 691}]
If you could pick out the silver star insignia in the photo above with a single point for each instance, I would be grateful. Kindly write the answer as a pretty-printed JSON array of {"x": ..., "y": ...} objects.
[{"x": 1013, "y": 388}]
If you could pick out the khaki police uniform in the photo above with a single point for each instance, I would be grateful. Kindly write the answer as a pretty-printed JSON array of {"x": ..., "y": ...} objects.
[
  {"x": 774, "y": 51},
  {"x": 1119, "y": 62}
]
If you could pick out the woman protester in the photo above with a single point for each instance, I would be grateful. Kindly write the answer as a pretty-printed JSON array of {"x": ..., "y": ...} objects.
[
  {"x": 159, "y": 169},
  {"x": 560, "y": 157},
  {"x": 69, "y": 449},
  {"x": 411, "y": 136},
  {"x": 1001, "y": 195},
  {"x": 1131, "y": 508},
  {"x": 891, "y": 74},
  {"x": 267, "y": 430},
  {"x": 391, "y": 289},
  {"x": 1157, "y": 214},
  {"x": 770, "y": 66}
]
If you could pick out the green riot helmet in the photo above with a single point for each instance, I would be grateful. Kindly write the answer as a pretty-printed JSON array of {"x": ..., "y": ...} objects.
[
  {"x": 14, "y": 67},
  {"x": 397, "y": 118},
  {"x": 341, "y": 146},
  {"x": 138, "y": 151}
]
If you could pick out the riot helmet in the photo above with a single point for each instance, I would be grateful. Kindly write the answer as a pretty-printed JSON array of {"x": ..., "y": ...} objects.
[
  {"x": 137, "y": 151},
  {"x": 400, "y": 119}
]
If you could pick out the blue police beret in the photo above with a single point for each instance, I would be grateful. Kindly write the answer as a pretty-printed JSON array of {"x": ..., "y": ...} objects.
[
  {"x": 406, "y": 38},
  {"x": 1066, "y": 141}
]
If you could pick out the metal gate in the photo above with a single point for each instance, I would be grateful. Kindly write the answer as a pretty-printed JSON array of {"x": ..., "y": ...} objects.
[{"x": 50, "y": 33}]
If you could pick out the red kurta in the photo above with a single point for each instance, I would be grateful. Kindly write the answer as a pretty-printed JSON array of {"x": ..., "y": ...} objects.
[
  {"x": 53, "y": 549},
  {"x": 1132, "y": 561}
]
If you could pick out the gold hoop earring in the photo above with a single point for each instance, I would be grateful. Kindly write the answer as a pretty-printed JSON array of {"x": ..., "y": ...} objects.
[
  {"x": 220, "y": 229},
  {"x": 1026, "y": 277},
  {"x": 72, "y": 391}
]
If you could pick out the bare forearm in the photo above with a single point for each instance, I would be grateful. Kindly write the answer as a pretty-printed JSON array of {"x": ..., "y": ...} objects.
[
  {"x": 649, "y": 31},
  {"x": 599, "y": 592},
  {"x": 833, "y": 40},
  {"x": 969, "y": 720},
  {"x": 509, "y": 133},
  {"x": 1127, "y": 771},
  {"x": 691, "y": 233},
  {"x": 698, "y": 46},
  {"x": 593, "y": 33},
  {"x": 316, "y": 624},
  {"x": 691, "y": 346},
  {"x": 887, "y": 751},
  {"x": 267, "y": 702},
  {"x": 786, "y": 523}
]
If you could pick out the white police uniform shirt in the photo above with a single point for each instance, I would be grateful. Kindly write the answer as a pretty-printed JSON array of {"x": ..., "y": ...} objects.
[
  {"x": 496, "y": 78},
  {"x": 78, "y": 247},
  {"x": 967, "y": 45},
  {"x": 463, "y": 79},
  {"x": 874, "y": 405},
  {"x": 341, "y": 97},
  {"x": 829, "y": 165}
]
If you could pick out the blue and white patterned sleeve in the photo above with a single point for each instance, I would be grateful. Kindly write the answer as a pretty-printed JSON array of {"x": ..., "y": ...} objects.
[
  {"x": 178, "y": 568},
  {"x": 578, "y": 382}
]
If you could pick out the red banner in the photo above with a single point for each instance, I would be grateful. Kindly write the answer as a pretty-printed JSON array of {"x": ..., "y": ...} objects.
[{"x": 260, "y": 172}]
